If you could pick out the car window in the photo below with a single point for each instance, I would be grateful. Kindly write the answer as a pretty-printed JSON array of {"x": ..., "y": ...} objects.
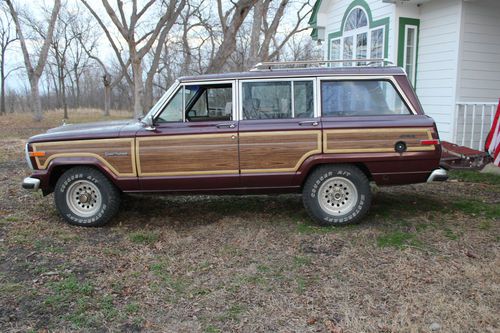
[
  {"x": 199, "y": 103},
  {"x": 210, "y": 103},
  {"x": 173, "y": 112},
  {"x": 303, "y": 98},
  {"x": 273, "y": 99},
  {"x": 360, "y": 98}
]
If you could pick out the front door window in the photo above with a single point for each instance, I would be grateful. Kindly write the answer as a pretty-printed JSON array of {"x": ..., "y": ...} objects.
[
  {"x": 173, "y": 112},
  {"x": 194, "y": 103}
]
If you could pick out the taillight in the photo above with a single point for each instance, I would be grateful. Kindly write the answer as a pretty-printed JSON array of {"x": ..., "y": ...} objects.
[{"x": 429, "y": 142}]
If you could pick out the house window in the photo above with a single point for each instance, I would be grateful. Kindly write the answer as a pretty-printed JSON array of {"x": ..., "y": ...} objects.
[
  {"x": 377, "y": 47},
  {"x": 356, "y": 20},
  {"x": 335, "y": 49},
  {"x": 359, "y": 38},
  {"x": 408, "y": 47},
  {"x": 410, "y": 52}
]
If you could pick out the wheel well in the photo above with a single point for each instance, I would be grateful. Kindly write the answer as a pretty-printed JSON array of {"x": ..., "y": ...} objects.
[
  {"x": 359, "y": 165},
  {"x": 58, "y": 171}
]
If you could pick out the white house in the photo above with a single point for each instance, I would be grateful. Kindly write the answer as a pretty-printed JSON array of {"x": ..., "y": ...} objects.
[{"x": 450, "y": 50}]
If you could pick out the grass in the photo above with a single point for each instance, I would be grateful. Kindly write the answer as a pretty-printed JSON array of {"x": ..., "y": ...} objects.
[
  {"x": 477, "y": 208},
  {"x": 250, "y": 263},
  {"x": 475, "y": 177},
  {"x": 398, "y": 239},
  {"x": 144, "y": 237}
]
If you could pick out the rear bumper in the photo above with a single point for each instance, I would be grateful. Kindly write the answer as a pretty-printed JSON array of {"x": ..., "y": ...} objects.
[
  {"x": 438, "y": 175},
  {"x": 32, "y": 184}
]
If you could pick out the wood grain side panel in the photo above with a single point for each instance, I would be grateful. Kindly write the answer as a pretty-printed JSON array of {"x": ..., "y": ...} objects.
[
  {"x": 277, "y": 151},
  {"x": 188, "y": 155},
  {"x": 375, "y": 140},
  {"x": 117, "y": 154}
]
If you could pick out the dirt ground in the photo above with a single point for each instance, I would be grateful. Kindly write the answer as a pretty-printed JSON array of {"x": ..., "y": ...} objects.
[{"x": 425, "y": 259}]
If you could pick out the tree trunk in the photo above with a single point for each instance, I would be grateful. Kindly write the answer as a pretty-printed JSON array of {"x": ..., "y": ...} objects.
[
  {"x": 77, "y": 83},
  {"x": 36, "y": 102},
  {"x": 107, "y": 94},
  {"x": 138, "y": 89},
  {"x": 65, "y": 104},
  {"x": 2, "y": 74}
]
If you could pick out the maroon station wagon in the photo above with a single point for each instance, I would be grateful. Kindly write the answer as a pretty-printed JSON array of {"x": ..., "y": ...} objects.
[{"x": 323, "y": 132}]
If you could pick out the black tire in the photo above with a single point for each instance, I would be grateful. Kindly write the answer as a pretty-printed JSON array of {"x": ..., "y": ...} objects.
[
  {"x": 85, "y": 197},
  {"x": 335, "y": 181}
]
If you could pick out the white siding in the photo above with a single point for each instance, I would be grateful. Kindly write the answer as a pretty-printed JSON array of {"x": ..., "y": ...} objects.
[
  {"x": 437, "y": 61},
  {"x": 479, "y": 67},
  {"x": 335, "y": 10}
]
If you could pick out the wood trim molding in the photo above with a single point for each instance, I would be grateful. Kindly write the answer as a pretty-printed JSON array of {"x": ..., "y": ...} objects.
[
  {"x": 113, "y": 169},
  {"x": 297, "y": 165},
  {"x": 141, "y": 173},
  {"x": 363, "y": 132}
]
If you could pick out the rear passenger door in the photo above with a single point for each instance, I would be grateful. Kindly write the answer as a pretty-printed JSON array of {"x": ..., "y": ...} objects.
[{"x": 279, "y": 128}]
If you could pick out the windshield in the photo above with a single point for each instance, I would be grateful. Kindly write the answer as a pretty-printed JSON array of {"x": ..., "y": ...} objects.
[{"x": 161, "y": 102}]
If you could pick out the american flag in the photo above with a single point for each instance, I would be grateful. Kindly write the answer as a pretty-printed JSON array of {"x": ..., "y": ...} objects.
[{"x": 492, "y": 145}]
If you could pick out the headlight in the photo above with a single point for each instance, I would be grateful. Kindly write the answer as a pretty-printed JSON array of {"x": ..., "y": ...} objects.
[{"x": 27, "y": 155}]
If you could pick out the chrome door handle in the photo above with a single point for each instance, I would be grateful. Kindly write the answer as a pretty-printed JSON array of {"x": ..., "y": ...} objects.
[
  {"x": 231, "y": 125},
  {"x": 309, "y": 123}
]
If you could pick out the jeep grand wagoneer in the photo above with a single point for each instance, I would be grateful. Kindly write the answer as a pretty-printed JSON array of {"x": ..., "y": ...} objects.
[{"x": 324, "y": 132}]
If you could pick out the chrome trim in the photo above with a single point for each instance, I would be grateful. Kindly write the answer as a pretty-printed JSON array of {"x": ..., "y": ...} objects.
[
  {"x": 32, "y": 184},
  {"x": 438, "y": 175},
  {"x": 27, "y": 156}
]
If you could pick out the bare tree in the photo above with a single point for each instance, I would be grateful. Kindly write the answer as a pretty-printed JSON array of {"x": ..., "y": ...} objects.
[
  {"x": 266, "y": 22},
  {"x": 6, "y": 39},
  {"x": 34, "y": 73},
  {"x": 64, "y": 38},
  {"x": 138, "y": 46},
  {"x": 230, "y": 22},
  {"x": 86, "y": 37}
]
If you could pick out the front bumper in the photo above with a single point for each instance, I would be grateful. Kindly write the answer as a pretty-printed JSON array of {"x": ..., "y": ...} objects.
[
  {"x": 32, "y": 184},
  {"x": 438, "y": 175}
]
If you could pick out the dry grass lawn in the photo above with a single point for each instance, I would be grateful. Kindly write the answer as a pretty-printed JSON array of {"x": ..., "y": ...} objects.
[{"x": 425, "y": 259}]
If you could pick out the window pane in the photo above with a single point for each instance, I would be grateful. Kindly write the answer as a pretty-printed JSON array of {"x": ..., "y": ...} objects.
[
  {"x": 173, "y": 111},
  {"x": 212, "y": 103},
  {"x": 335, "y": 50},
  {"x": 348, "y": 49},
  {"x": 410, "y": 53},
  {"x": 303, "y": 96},
  {"x": 264, "y": 100},
  {"x": 357, "y": 19},
  {"x": 361, "y": 45},
  {"x": 360, "y": 98},
  {"x": 377, "y": 44}
]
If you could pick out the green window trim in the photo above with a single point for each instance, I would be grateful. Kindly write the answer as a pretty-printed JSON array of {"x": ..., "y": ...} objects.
[
  {"x": 403, "y": 22},
  {"x": 371, "y": 25}
]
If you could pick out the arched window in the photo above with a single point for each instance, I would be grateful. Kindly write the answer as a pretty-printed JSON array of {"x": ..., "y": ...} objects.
[
  {"x": 356, "y": 19},
  {"x": 359, "y": 37}
]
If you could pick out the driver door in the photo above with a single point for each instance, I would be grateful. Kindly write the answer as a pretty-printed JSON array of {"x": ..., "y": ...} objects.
[{"x": 194, "y": 142}]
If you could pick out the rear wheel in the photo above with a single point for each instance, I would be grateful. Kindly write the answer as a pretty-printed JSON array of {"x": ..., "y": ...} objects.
[
  {"x": 337, "y": 195},
  {"x": 85, "y": 197}
]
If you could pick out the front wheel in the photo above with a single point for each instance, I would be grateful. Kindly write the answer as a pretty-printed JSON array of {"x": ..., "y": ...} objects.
[
  {"x": 85, "y": 197},
  {"x": 337, "y": 195}
]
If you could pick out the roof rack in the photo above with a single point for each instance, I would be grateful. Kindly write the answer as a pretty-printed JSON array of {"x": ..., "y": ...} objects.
[{"x": 319, "y": 63}]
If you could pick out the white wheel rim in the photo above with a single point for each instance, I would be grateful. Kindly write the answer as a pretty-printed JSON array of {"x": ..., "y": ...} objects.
[
  {"x": 83, "y": 198},
  {"x": 337, "y": 196}
]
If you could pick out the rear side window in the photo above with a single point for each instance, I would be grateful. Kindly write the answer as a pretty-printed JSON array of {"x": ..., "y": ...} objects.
[
  {"x": 360, "y": 98},
  {"x": 277, "y": 100}
]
